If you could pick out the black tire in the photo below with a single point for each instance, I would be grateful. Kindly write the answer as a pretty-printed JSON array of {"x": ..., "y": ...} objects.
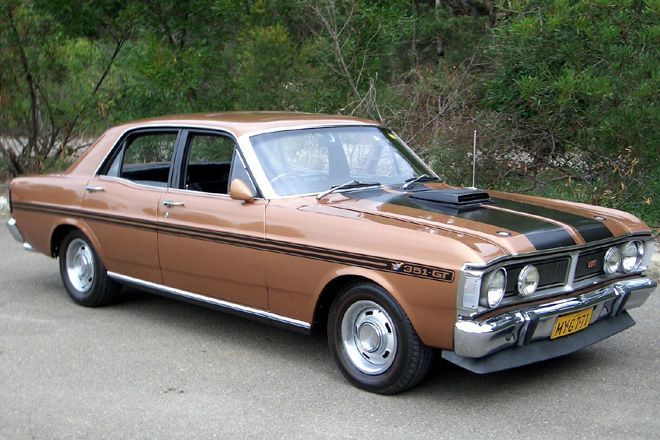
[
  {"x": 357, "y": 306},
  {"x": 89, "y": 286}
]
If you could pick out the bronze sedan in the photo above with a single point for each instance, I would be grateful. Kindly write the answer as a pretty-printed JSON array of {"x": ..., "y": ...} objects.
[{"x": 314, "y": 221}]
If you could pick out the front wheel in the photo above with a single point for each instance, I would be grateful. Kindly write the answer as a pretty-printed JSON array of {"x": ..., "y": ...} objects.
[
  {"x": 374, "y": 343},
  {"x": 84, "y": 276}
]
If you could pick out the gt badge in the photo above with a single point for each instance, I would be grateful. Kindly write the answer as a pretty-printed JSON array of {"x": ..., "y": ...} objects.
[{"x": 423, "y": 271}]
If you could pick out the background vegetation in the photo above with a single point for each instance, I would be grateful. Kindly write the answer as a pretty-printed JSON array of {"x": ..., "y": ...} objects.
[{"x": 563, "y": 93}]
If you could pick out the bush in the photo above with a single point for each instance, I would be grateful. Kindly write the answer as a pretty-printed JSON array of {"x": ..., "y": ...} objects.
[
  {"x": 563, "y": 93},
  {"x": 578, "y": 83}
]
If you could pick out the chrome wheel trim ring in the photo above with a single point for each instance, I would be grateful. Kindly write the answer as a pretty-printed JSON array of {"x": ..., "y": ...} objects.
[
  {"x": 369, "y": 337},
  {"x": 80, "y": 265}
]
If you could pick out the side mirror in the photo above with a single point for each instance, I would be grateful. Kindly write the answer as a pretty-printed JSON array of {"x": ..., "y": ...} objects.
[{"x": 238, "y": 190}]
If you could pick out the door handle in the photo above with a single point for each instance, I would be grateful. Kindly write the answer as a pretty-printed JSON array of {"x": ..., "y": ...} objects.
[
  {"x": 94, "y": 189},
  {"x": 171, "y": 203}
]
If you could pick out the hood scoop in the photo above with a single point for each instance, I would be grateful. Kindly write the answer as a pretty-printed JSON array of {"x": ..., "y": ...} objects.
[{"x": 459, "y": 199}]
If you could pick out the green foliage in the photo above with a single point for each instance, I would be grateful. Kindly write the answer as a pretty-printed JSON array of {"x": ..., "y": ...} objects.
[
  {"x": 265, "y": 72},
  {"x": 583, "y": 76},
  {"x": 563, "y": 93}
]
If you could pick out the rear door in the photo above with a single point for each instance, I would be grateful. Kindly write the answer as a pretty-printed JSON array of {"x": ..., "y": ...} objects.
[
  {"x": 208, "y": 243},
  {"x": 121, "y": 203}
]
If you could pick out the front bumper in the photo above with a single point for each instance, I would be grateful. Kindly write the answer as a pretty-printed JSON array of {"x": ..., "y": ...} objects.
[
  {"x": 16, "y": 233},
  {"x": 524, "y": 334}
]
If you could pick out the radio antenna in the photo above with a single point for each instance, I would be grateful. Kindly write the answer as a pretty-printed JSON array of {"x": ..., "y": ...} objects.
[{"x": 474, "y": 159}]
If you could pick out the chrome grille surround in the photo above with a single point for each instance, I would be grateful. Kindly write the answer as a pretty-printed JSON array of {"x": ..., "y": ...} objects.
[
  {"x": 552, "y": 273},
  {"x": 570, "y": 284}
]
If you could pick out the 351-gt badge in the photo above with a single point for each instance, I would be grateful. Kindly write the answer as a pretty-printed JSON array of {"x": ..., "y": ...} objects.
[{"x": 433, "y": 273}]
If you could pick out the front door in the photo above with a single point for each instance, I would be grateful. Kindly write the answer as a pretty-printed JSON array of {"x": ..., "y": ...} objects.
[{"x": 208, "y": 243}]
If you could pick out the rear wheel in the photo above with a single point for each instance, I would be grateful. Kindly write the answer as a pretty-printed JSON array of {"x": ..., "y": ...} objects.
[
  {"x": 84, "y": 276},
  {"x": 374, "y": 343}
]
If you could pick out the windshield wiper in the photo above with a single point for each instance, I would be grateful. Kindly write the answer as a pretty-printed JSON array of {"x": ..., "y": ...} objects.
[
  {"x": 351, "y": 184},
  {"x": 413, "y": 180}
]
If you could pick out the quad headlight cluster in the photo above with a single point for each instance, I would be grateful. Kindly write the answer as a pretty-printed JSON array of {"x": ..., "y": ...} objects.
[
  {"x": 625, "y": 258},
  {"x": 496, "y": 282},
  {"x": 622, "y": 258}
]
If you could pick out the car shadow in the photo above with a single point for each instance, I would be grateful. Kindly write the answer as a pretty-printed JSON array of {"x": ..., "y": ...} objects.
[
  {"x": 451, "y": 381},
  {"x": 213, "y": 323},
  {"x": 445, "y": 380}
]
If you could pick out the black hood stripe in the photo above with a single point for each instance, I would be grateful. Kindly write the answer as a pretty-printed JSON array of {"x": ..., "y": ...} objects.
[
  {"x": 542, "y": 234},
  {"x": 590, "y": 229}
]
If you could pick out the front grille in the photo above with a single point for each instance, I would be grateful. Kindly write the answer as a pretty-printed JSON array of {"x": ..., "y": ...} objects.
[
  {"x": 552, "y": 273},
  {"x": 590, "y": 263}
]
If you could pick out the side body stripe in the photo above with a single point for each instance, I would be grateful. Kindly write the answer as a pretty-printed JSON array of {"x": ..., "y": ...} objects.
[{"x": 276, "y": 246}]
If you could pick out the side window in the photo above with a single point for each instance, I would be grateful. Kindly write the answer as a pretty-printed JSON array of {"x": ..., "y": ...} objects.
[
  {"x": 209, "y": 163},
  {"x": 146, "y": 158}
]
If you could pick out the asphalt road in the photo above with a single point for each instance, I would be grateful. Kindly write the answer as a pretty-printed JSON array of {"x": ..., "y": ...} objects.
[{"x": 150, "y": 367}]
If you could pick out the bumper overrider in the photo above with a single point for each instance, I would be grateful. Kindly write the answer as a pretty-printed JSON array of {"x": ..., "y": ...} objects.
[
  {"x": 16, "y": 233},
  {"x": 522, "y": 337}
]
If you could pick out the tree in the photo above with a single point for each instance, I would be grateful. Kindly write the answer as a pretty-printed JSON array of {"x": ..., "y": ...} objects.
[{"x": 50, "y": 82}]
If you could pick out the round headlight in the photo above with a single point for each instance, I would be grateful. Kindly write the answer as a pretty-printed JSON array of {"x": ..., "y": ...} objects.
[
  {"x": 612, "y": 260},
  {"x": 495, "y": 287},
  {"x": 632, "y": 255},
  {"x": 528, "y": 280}
]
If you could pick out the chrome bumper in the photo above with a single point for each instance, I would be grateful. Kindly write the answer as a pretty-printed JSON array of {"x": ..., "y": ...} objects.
[
  {"x": 16, "y": 233},
  {"x": 476, "y": 339},
  {"x": 13, "y": 229}
]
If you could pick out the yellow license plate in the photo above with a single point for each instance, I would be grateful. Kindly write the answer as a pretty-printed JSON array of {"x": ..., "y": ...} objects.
[{"x": 567, "y": 324}]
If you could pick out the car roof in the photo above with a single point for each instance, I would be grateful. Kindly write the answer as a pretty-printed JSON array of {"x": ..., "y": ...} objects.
[{"x": 242, "y": 123}]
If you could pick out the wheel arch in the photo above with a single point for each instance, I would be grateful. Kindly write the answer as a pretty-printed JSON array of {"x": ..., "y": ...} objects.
[
  {"x": 338, "y": 282},
  {"x": 64, "y": 228}
]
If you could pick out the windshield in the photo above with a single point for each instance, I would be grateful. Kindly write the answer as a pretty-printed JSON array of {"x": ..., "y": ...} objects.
[{"x": 315, "y": 160}]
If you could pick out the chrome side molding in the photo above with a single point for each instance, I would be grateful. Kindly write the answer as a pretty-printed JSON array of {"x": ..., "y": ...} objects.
[{"x": 227, "y": 306}]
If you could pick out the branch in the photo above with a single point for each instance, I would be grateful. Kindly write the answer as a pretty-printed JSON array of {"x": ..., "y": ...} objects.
[
  {"x": 166, "y": 27},
  {"x": 32, "y": 87},
  {"x": 15, "y": 167},
  {"x": 330, "y": 25},
  {"x": 547, "y": 181},
  {"x": 97, "y": 87}
]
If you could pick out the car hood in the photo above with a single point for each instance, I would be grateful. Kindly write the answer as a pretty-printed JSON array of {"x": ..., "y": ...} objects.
[{"x": 515, "y": 223}]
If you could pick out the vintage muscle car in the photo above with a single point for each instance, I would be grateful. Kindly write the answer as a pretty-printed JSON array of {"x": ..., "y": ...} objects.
[{"x": 314, "y": 221}]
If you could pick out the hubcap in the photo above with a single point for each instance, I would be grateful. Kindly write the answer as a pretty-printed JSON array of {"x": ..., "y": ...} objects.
[
  {"x": 80, "y": 265},
  {"x": 369, "y": 337}
]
